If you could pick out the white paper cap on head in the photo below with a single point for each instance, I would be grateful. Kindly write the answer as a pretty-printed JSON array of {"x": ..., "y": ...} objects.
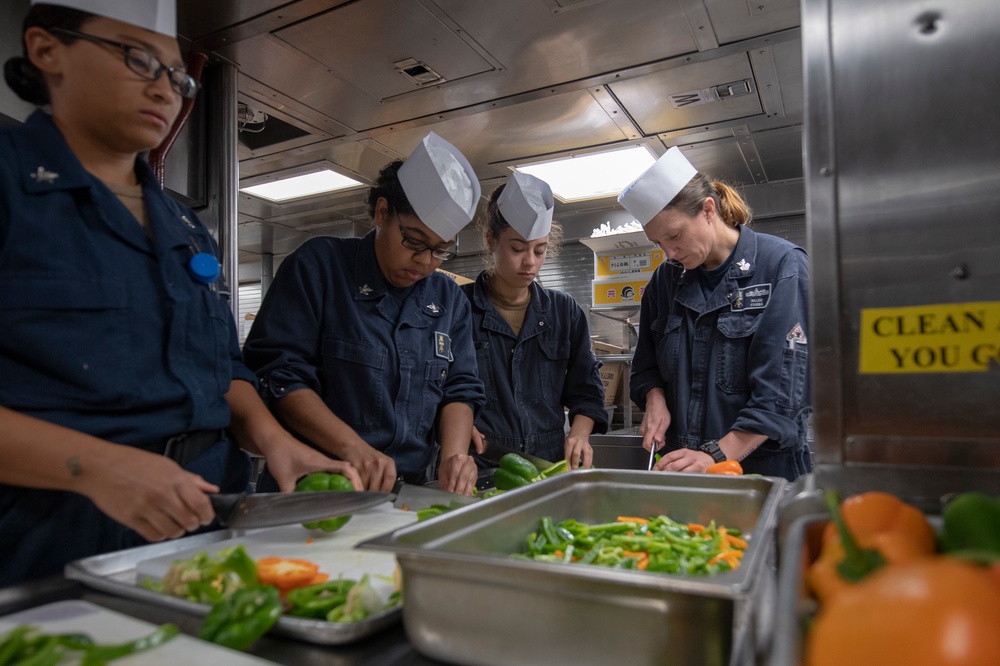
[
  {"x": 156, "y": 15},
  {"x": 526, "y": 203},
  {"x": 657, "y": 186},
  {"x": 440, "y": 185}
]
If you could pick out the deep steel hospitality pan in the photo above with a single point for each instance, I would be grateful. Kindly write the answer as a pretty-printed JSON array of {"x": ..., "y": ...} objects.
[{"x": 459, "y": 563}]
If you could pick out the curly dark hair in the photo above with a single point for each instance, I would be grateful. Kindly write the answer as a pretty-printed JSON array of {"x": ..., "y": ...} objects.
[
  {"x": 388, "y": 186},
  {"x": 21, "y": 76}
]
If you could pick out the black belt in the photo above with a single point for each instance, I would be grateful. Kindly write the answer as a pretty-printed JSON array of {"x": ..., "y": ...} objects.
[{"x": 187, "y": 446}]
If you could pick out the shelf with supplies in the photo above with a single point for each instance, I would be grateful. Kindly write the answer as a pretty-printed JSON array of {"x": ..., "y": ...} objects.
[{"x": 617, "y": 359}]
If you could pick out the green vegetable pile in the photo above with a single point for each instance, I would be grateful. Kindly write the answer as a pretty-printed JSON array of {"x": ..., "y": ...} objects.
[
  {"x": 25, "y": 645},
  {"x": 516, "y": 471},
  {"x": 659, "y": 544},
  {"x": 341, "y": 600}
]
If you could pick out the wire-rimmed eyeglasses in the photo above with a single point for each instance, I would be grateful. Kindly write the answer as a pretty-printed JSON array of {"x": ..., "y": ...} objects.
[
  {"x": 143, "y": 63},
  {"x": 411, "y": 243}
]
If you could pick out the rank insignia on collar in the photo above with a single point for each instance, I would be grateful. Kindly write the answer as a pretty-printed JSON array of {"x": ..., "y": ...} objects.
[
  {"x": 743, "y": 265},
  {"x": 41, "y": 175},
  {"x": 364, "y": 289},
  {"x": 434, "y": 309}
]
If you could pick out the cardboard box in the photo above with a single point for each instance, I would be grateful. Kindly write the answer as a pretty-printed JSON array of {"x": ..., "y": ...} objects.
[
  {"x": 611, "y": 373},
  {"x": 619, "y": 290}
]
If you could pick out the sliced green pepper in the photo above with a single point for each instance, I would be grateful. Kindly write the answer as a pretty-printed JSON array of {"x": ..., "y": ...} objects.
[
  {"x": 319, "y": 481},
  {"x": 102, "y": 654},
  {"x": 242, "y": 618},
  {"x": 318, "y": 600}
]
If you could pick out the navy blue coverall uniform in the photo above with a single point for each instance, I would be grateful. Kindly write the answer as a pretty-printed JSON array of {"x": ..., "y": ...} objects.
[
  {"x": 737, "y": 360},
  {"x": 106, "y": 331},
  {"x": 530, "y": 378},
  {"x": 384, "y": 360}
]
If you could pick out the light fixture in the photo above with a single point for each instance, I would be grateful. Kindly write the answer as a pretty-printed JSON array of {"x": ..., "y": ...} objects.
[
  {"x": 593, "y": 175},
  {"x": 301, "y": 186}
]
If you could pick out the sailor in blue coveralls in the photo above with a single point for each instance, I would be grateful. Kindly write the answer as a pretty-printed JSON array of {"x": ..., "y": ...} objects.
[
  {"x": 721, "y": 367},
  {"x": 363, "y": 350},
  {"x": 118, "y": 359},
  {"x": 532, "y": 344}
]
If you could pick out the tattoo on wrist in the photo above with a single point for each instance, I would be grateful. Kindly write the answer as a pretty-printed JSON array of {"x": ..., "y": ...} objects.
[{"x": 75, "y": 468}]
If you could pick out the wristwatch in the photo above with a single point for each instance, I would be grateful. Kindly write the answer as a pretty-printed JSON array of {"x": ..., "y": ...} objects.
[{"x": 711, "y": 447}]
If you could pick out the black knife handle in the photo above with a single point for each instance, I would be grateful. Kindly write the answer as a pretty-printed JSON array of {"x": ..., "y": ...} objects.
[{"x": 226, "y": 505}]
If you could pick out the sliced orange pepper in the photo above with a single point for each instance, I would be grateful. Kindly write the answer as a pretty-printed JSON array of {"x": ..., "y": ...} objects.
[
  {"x": 736, "y": 541},
  {"x": 727, "y": 467},
  {"x": 286, "y": 573},
  {"x": 696, "y": 528},
  {"x": 632, "y": 519}
]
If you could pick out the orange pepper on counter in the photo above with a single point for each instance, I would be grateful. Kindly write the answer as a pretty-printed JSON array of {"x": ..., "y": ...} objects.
[
  {"x": 727, "y": 467},
  {"x": 880, "y": 522},
  {"x": 287, "y": 573},
  {"x": 937, "y": 611}
]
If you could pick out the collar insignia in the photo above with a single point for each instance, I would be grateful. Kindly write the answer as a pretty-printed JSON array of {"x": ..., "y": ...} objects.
[
  {"x": 743, "y": 265},
  {"x": 433, "y": 308},
  {"x": 364, "y": 289},
  {"x": 43, "y": 176}
]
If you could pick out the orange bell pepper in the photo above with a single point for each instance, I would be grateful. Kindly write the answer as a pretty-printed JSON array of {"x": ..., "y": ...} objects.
[
  {"x": 727, "y": 467},
  {"x": 878, "y": 522},
  {"x": 938, "y": 611},
  {"x": 286, "y": 573}
]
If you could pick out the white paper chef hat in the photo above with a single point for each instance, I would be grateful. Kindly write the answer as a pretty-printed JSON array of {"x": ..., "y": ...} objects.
[
  {"x": 657, "y": 186},
  {"x": 156, "y": 15},
  {"x": 440, "y": 185},
  {"x": 526, "y": 203}
]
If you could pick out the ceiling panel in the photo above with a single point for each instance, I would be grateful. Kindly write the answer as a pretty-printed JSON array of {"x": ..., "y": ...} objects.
[
  {"x": 682, "y": 97},
  {"x": 736, "y": 20}
]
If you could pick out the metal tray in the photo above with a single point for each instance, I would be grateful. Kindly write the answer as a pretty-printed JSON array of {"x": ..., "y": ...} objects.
[
  {"x": 119, "y": 572},
  {"x": 458, "y": 564}
]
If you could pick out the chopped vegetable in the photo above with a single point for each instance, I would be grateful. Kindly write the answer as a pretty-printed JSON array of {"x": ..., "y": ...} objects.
[
  {"x": 25, "y": 645},
  {"x": 237, "y": 622},
  {"x": 654, "y": 544},
  {"x": 286, "y": 573},
  {"x": 319, "y": 481},
  {"x": 207, "y": 579}
]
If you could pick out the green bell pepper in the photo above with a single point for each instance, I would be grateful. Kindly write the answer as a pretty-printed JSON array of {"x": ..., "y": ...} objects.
[
  {"x": 318, "y": 600},
  {"x": 519, "y": 466},
  {"x": 319, "y": 481},
  {"x": 972, "y": 527},
  {"x": 504, "y": 479},
  {"x": 240, "y": 620}
]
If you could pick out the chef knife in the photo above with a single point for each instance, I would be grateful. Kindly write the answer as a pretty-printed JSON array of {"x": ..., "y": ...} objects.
[
  {"x": 413, "y": 497},
  {"x": 246, "y": 510},
  {"x": 494, "y": 452}
]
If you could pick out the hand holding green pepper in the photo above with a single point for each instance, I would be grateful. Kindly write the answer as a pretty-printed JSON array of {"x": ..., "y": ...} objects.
[{"x": 318, "y": 481}]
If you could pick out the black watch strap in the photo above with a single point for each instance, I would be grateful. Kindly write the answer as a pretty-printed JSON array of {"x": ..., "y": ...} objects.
[{"x": 711, "y": 447}]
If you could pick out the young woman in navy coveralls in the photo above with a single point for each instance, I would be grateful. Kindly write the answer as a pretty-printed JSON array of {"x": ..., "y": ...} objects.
[
  {"x": 544, "y": 366},
  {"x": 366, "y": 352},
  {"x": 111, "y": 345},
  {"x": 721, "y": 365}
]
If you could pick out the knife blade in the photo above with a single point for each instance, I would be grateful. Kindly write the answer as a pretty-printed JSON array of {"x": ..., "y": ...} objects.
[
  {"x": 246, "y": 510},
  {"x": 494, "y": 452},
  {"x": 413, "y": 497}
]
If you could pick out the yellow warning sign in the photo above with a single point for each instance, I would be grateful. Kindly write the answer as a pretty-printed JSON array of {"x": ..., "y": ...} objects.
[
  {"x": 625, "y": 263},
  {"x": 944, "y": 337}
]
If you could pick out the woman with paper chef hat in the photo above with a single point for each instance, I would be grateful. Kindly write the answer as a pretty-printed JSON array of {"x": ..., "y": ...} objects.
[
  {"x": 363, "y": 349},
  {"x": 721, "y": 367},
  {"x": 532, "y": 344},
  {"x": 122, "y": 388}
]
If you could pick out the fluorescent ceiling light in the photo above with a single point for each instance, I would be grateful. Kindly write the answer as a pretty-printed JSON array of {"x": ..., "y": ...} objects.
[
  {"x": 297, "y": 187},
  {"x": 592, "y": 176}
]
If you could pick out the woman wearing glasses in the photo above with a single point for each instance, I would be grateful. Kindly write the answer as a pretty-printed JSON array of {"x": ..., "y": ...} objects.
[
  {"x": 721, "y": 367},
  {"x": 119, "y": 368},
  {"x": 363, "y": 350},
  {"x": 532, "y": 344}
]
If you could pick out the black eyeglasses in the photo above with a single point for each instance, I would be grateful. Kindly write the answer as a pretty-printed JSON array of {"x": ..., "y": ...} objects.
[
  {"x": 419, "y": 246},
  {"x": 144, "y": 63}
]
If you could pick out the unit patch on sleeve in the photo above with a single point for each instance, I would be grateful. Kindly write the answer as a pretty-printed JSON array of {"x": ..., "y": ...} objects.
[
  {"x": 754, "y": 297},
  {"x": 442, "y": 346}
]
